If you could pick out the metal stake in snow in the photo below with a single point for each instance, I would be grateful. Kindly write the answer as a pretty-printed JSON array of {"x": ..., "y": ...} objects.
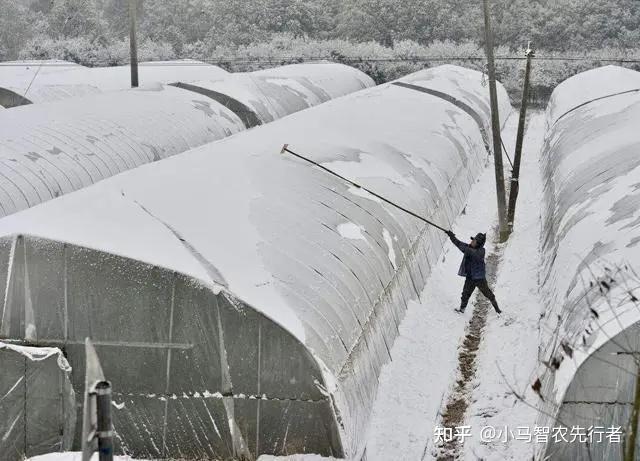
[
  {"x": 285, "y": 148},
  {"x": 96, "y": 420}
]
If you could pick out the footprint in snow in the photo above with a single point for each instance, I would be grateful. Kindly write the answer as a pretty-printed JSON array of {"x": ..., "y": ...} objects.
[{"x": 509, "y": 321}]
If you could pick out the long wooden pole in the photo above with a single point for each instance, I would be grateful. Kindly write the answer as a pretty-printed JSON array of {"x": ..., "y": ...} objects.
[
  {"x": 285, "y": 148},
  {"x": 495, "y": 124},
  {"x": 515, "y": 175}
]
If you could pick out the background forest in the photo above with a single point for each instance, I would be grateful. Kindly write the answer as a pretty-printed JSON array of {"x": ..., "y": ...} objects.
[{"x": 385, "y": 38}]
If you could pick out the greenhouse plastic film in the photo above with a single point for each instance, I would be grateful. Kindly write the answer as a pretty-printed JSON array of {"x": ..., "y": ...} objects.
[
  {"x": 288, "y": 283},
  {"x": 37, "y": 404},
  {"x": 49, "y": 80},
  {"x": 53, "y": 149},
  {"x": 274, "y": 93},
  {"x": 591, "y": 228},
  {"x": 588, "y": 86}
]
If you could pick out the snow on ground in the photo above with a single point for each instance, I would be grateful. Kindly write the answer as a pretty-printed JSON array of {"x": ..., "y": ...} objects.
[
  {"x": 295, "y": 458},
  {"x": 77, "y": 456},
  {"x": 425, "y": 354},
  {"x": 509, "y": 346},
  {"x": 74, "y": 456}
]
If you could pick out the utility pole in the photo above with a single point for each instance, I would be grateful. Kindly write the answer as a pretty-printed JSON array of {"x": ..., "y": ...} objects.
[
  {"x": 495, "y": 124},
  {"x": 632, "y": 431},
  {"x": 133, "y": 44},
  {"x": 515, "y": 175}
]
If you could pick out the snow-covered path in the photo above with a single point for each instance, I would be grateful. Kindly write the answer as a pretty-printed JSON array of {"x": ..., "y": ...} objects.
[
  {"x": 425, "y": 354},
  {"x": 507, "y": 356},
  {"x": 415, "y": 384}
]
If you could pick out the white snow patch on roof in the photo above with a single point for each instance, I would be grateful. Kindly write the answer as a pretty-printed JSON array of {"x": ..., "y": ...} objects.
[
  {"x": 389, "y": 241},
  {"x": 350, "y": 230},
  {"x": 369, "y": 166},
  {"x": 360, "y": 192}
]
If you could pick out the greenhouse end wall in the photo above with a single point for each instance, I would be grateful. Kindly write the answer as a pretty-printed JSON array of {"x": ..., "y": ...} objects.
[
  {"x": 37, "y": 401},
  {"x": 220, "y": 379}
]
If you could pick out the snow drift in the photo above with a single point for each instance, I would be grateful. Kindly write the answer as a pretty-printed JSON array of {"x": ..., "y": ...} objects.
[
  {"x": 260, "y": 295},
  {"x": 48, "y": 150},
  {"x": 591, "y": 245}
]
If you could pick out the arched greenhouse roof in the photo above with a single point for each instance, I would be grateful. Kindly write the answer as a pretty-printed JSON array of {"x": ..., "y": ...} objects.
[
  {"x": 50, "y": 150},
  {"x": 328, "y": 268},
  {"x": 591, "y": 219},
  {"x": 45, "y": 81},
  {"x": 274, "y": 93},
  {"x": 589, "y": 86}
]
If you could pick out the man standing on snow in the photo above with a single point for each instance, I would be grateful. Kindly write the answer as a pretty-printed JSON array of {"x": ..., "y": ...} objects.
[{"x": 473, "y": 269}]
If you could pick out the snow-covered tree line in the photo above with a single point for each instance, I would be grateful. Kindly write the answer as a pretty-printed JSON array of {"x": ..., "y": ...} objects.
[
  {"x": 385, "y": 38},
  {"x": 553, "y": 24}
]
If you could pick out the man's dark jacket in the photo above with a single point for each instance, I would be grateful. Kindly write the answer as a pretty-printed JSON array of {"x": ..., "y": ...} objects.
[{"x": 472, "y": 265}]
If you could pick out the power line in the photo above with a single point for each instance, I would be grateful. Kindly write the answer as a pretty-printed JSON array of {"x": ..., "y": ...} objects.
[{"x": 361, "y": 59}]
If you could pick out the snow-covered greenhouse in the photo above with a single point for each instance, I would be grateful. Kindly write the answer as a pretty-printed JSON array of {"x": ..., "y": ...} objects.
[
  {"x": 47, "y": 150},
  {"x": 590, "y": 338},
  {"x": 260, "y": 295},
  {"x": 29, "y": 82}
]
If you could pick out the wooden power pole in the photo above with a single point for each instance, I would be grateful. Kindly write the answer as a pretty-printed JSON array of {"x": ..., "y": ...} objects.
[
  {"x": 133, "y": 44},
  {"x": 515, "y": 175},
  {"x": 632, "y": 430},
  {"x": 495, "y": 124}
]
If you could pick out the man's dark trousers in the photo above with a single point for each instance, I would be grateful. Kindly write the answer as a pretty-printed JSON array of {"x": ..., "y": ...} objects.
[{"x": 470, "y": 285}]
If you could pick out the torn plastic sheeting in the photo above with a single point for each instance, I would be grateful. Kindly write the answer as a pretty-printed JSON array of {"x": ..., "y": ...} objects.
[
  {"x": 591, "y": 226},
  {"x": 270, "y": 227},
  {"x": 37, "y": 402}
]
